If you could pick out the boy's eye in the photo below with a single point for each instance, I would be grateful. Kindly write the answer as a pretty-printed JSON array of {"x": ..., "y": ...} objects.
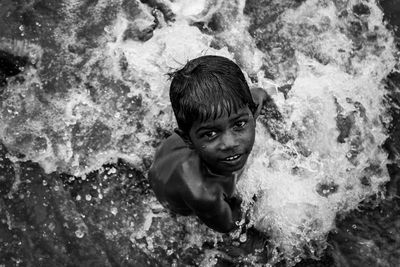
[
  {"x": 240, "y": 124},
  {"x": 210, "y": 134}
]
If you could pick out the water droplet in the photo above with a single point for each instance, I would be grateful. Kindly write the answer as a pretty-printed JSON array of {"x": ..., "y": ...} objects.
[
  {"x": 44, "y": 182},
  {"x": 114, "y": 210},
  {"x": 150, "y": 244},
  {"x": 51, "y": 226},
  {"x": 112, "y": 170},
  {"x": 56, "y": 188},
  {"x": 243, "y": 238},
  {"x": 108, "y": 234},
  {"x": 100, "y": 196},
  {"x": 79, "y": 233},
  {"x": 88, "y": 197},
  {"x": 78, "y": 197}
]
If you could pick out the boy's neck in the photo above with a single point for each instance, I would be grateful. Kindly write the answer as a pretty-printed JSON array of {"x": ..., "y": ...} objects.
[{"x": 220, "y": 175}]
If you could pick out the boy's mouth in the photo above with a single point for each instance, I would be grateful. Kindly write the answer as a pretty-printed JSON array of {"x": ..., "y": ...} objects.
[{"x": 231, "y": 158}]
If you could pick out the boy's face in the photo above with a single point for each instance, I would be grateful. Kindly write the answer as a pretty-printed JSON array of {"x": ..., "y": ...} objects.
[{"x": 225, "y": 143}]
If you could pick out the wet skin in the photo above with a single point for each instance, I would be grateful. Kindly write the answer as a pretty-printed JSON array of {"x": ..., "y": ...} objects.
[
  {"x": 195, "y": 174},
  {"x": 224, "y": 144}
]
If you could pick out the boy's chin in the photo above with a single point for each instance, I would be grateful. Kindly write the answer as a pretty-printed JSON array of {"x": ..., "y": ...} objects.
[{"x": 226, "y": 168}]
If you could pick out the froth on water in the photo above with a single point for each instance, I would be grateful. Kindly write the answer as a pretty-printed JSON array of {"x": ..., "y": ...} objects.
[{"x": 318, "y": 148}]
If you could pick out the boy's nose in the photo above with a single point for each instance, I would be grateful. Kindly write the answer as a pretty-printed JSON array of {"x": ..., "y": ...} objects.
[{"x": 228, "y": 141}]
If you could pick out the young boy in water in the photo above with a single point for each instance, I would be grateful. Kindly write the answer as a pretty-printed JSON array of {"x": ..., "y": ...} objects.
[{"x": 195, "y": 170}]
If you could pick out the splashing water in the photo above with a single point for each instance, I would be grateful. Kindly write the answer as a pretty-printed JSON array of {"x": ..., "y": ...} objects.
[
  {"x": 106, "y": 97},
  {"x": 332, "y": 159}
]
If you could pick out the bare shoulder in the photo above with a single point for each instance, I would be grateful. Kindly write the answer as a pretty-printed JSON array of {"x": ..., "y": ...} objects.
[
  {"x": 169, "y": 155},
  {"x": 170, "y": 145},
  {"x": 176, "y": 180},
  {"x": 174, "y": 167}
]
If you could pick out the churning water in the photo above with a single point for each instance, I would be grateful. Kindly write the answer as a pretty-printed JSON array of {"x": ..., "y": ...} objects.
[{"x": 84, "y": 94}]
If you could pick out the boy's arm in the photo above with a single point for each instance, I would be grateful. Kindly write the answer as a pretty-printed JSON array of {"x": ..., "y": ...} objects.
[{"x": 214, "y": 210}]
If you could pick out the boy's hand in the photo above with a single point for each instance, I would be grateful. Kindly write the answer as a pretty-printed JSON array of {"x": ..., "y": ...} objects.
[{"x": 260, "y": 96}]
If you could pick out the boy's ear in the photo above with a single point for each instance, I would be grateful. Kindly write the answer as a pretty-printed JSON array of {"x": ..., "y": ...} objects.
[{"x": 185, "y": 137}]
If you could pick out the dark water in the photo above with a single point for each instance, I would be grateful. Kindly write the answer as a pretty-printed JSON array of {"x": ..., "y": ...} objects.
[{"x": 57, "y": 219}]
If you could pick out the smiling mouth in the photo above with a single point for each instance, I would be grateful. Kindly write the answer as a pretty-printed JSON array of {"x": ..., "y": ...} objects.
[{"x": 232, "y": 158}]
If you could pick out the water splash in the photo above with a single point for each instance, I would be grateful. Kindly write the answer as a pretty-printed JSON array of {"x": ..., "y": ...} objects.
[
  {"x": 332, "y": 116},
  {"x": 106, "y": 97}
]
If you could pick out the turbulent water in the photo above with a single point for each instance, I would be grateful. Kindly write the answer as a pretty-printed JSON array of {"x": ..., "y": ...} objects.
[{"x": 84, "y": 94}]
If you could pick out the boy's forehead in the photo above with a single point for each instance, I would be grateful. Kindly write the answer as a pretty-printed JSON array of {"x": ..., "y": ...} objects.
[{"x": 222, "y": 116}]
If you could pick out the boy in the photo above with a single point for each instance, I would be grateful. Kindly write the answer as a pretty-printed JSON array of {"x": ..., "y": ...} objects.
[{"x": 195, "y": 170}]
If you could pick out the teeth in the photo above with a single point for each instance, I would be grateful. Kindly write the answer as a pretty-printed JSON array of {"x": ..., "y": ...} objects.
[{"x": 233, "y": 157}]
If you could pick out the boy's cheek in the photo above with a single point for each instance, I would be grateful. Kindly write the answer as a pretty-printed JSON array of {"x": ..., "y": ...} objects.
[{"x": 251, "y": 140}]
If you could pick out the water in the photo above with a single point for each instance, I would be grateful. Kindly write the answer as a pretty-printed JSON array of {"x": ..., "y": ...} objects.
[
  {"x": 304, "y": 182},
  {"x": 86, "y": 99}
]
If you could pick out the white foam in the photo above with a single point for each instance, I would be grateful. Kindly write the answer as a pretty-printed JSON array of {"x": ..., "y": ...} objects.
[
  {"x": 331, "y": 77},
  {"x": 292, "y": 206}
]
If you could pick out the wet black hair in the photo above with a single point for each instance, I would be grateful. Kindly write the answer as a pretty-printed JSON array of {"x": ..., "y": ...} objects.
[{"x": 205, "y": 88}]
